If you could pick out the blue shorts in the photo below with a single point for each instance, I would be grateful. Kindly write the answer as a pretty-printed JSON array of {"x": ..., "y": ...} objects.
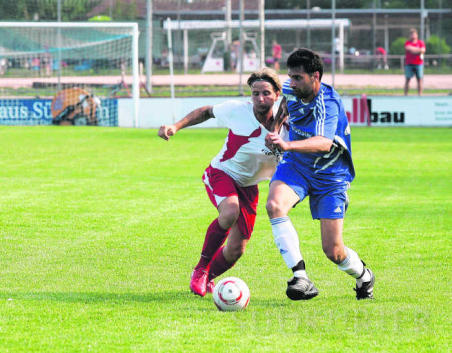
[
  {"x": 411, "y": 70},
  {"x": 327, "y": 197}
]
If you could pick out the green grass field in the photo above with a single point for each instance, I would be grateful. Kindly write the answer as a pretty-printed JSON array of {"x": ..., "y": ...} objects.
[{"x": 100, "y": 229}]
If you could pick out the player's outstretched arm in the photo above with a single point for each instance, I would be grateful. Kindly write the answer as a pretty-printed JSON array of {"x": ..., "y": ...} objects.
[{"x": 195, "y": 117}]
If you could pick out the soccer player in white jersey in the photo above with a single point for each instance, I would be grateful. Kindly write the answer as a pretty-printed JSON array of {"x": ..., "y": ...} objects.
[
  {"x": 317, "y": 162},
  {"x": 232, "y": 177}
]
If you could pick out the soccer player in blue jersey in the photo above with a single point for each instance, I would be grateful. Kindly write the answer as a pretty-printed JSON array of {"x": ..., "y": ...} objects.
[{"x": 317, "y": 162}]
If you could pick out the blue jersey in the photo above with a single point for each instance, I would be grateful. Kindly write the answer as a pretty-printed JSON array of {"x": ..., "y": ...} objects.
[{"x": 324, "y": 116}]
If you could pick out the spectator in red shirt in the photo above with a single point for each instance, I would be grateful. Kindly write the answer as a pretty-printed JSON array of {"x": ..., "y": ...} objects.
[
  {"x": 382, "y": 58},
  {"x": 277, "y": 54},
  {"x": 414, "y": 60}
]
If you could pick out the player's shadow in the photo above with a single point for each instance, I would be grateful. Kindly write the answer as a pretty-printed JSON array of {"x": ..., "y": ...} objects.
[
  {"x": 169, "y": 297},
  {"x": 93, "y": 297},
  {"x": 277, "y": 302}
]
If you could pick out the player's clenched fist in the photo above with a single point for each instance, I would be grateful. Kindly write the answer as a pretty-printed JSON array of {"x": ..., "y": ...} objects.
[
  {"x": 166, "y": 131},
  {"x": 274, "y": 141}
]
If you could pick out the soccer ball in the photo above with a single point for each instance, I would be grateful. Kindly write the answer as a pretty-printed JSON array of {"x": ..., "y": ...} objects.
[{"x": 231, "y": 294}]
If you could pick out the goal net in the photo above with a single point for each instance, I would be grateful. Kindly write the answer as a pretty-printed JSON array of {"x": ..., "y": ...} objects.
[{"x": 67, "y": 73}]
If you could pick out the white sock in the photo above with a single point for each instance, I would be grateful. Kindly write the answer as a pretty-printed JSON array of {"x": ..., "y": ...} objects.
[
  {"x": 354, "y": 267},
  {"x": 300, "y": 274},
  {"x": 286, "y": 239},
  {"x": 365, "y": 278}
]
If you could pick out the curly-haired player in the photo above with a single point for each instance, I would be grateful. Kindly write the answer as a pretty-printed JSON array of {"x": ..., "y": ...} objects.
[{"x": 232, "y": 177}]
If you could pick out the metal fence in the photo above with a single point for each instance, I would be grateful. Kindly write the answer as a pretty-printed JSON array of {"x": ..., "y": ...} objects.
[{"x": 367, "y": 30}]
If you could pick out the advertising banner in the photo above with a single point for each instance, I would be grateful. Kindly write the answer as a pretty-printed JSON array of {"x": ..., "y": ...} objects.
[
  {"x": 399, "y": 111},
  {"x": 153, "y": 112},
  {"x": 360, "y": 110},
  {"x": 25, "y": 112},
  {"x": 38, "y": 112}
]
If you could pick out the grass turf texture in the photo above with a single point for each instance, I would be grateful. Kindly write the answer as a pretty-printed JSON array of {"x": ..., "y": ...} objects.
[
  {"x": 213, "y": 91},
  {"x": 100, "y": 228}
]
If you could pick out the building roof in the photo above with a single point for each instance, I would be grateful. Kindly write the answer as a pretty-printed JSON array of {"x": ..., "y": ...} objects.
[
  {"x": 270, "y": 24},
  {"x": 173, "y": 5}
]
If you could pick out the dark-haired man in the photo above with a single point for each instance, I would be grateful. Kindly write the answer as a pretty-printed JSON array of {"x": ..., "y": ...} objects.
[{"x": 317, "y": 162}]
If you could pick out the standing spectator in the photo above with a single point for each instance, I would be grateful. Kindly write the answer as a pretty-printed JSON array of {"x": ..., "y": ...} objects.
[
  {"x": 46, "y": 62},
  {"x": 414, "y": 61},
  {"x": 3, "y": 65},
  {"x": 277, "y": 54},
  {"x": 235, "y": 52},
  {"x": 35, "y": 64}
]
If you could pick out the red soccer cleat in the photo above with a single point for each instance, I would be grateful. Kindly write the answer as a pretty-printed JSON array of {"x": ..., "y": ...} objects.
[
  {"x": 210, "y": 286},
  {"x": 198, "y": 282}
]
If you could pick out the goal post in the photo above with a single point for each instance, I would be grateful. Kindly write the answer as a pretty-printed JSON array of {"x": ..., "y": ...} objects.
[{"x": 98, "y": 61}]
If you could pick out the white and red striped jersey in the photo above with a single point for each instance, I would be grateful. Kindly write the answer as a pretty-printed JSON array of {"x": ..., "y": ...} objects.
[{"x": 244, "y": 156}]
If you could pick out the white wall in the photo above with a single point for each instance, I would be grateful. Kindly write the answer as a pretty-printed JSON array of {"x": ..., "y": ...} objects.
[{"x": 154, "y": 112}]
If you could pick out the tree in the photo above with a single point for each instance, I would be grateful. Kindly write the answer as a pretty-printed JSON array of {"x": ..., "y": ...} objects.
[
  {"x": 123, "y": 11},
  {"x": 324, "y": 4},
  {"x": 398, "y": 46},
  {"x": 45, "y": 10},
  {"x": 436, "y": 45}
]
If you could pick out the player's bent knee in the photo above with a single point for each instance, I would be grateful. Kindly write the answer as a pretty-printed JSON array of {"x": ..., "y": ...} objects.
[
  {"x": 273, "y": 208},
  {"x": 334, "y": 252},
  {"x": 228, "y": 216},
  {"x": 233, "y": 253}
]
